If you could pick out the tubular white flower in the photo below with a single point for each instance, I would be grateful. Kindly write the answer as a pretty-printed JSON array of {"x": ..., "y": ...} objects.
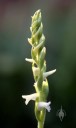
[
  {"x": 46, "y": 74},
  {"x": 29, "y": 60},
  {"x": 30, "y": 97},
  {"x": 44, "y": 105}
]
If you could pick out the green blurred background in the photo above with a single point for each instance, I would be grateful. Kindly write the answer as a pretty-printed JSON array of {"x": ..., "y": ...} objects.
[{"x": 16, "y": 79}]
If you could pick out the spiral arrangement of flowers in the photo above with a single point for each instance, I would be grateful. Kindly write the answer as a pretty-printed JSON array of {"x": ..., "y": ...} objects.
[{"x": 38, "y": 52}]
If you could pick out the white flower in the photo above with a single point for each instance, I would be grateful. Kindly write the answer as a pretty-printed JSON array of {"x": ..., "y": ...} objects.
[
  {"x": 40, "y": 104},
  {"x": 44, "y": 105},
  {"x": 29, "y": 60},
  {"x": 46, "y": 74},
  {"x": 30, "y": 97}
]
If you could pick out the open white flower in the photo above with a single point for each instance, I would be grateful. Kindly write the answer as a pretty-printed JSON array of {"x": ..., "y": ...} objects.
[
  {"x": 30, "y": 97},
  {"x": 44, "y": 105},
  {"x": 46, "y": 74}
]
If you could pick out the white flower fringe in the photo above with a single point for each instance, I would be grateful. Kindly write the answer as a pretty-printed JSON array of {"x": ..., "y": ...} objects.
[{"x": 44, "y": 105}]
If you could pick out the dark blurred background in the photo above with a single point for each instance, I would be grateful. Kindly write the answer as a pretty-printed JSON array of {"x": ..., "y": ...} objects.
[{"x": 16, "y": 79}]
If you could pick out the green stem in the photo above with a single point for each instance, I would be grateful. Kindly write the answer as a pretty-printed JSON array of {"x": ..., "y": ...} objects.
[{"x": 40, "y": 124}]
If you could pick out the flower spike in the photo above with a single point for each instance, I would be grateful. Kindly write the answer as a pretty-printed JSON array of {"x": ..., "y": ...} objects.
[{"x": 38, "y": 53}]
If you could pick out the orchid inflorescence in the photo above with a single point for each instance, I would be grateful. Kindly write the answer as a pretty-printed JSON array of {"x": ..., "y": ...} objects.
[{"x": 38, "y": 52}]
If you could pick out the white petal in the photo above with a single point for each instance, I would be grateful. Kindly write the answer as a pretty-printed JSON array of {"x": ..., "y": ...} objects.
[
  {"x": 44, "y": 105},
  {"x": 30, "y": 97},
  {"x": 46, "y": 74}
]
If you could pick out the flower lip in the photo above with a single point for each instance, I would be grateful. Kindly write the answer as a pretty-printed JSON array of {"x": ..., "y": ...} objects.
[
  {"x": 46, "y": 105},
  {"x": 30, "y": 97}
]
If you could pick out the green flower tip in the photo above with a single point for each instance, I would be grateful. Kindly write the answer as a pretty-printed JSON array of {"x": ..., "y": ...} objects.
[{"x": 36, "y": 15}]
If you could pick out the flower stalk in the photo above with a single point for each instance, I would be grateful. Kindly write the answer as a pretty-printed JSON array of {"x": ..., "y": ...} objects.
[{"x": 38, "y": 52}]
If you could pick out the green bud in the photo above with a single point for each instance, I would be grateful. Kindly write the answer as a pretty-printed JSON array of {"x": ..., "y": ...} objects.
[
  {"x": 35, "y": 26},
  {"x": 36, "y": 72},
  {"x": 41, "y": 58},
  {"x": 45, "y": 89},
  {"x": 36, "y": 16}
]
